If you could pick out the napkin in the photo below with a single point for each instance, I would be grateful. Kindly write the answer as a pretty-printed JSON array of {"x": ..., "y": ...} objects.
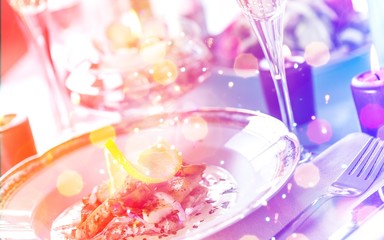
[
  {"x": 369, "y": 229},
  {"x": 297, "y": 194}
]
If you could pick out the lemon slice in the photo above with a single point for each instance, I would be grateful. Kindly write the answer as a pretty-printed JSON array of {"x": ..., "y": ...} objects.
[
  {"x": 156, "y": 164},
  {"x": 116, "y": 172}
]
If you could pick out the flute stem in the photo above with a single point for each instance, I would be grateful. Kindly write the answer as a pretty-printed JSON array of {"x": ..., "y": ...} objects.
[
  {"x": 270, "y": 35},
  {"x": 34, "y": 21}
]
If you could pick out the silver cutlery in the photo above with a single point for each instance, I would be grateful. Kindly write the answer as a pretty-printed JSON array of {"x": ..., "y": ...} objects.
[
  {"x": 370, "y": 206},
  {"x": 354, "y": 181}
]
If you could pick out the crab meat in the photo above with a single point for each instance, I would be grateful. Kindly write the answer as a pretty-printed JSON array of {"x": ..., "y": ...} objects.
[{"x": 161, "y": 207}]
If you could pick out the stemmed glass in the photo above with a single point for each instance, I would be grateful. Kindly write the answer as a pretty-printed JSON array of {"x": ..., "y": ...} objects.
[
  {"x": 266, "y": 19},
  {"x": 33, "y": 16}
]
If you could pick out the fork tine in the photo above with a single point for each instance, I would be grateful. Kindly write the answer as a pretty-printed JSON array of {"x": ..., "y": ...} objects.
[
  {"x": 354, "y": 181},
  {"x": 357, "y": 161},
  {"x": 369, "y": 159},
  {"x": 367, "y": 156},
  {"x": 376, "y": 165}
]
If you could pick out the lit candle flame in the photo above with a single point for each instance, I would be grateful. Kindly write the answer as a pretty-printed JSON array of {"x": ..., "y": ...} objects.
[
  {"x": 360, "y": 6},
  {"x": 375, "y": 64},
  {"x": 126, "y": 32},
  {"x": 286, "y": 52},
  {"x": 132, "y": 20}
]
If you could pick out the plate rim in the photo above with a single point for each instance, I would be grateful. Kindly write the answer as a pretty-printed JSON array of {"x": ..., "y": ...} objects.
[{"x": 20, "y": 173}]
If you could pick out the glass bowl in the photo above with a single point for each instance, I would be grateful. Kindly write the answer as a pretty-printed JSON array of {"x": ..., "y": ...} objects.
[
  {"x": 255, "y": 150},
  {"x": 152, "y": 70}
]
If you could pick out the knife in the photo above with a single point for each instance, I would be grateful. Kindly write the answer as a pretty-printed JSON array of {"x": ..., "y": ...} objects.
[{"x": 360, "y": 214}]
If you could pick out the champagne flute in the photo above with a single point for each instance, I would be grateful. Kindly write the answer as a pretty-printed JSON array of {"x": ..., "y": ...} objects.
[
  {"x": 266, "y": 19},
  {"x": 33, "y": 16}
]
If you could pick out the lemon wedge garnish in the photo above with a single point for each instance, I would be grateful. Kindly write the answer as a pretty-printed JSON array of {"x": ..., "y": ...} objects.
[
  {"x": 156, "y": 164},
  {"x": 116, "y": 172}
]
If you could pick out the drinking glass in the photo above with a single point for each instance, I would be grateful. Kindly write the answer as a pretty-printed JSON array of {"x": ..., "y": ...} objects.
[
  {"x": 33, "y": 15},
  {"x": 266, "y": 19}
]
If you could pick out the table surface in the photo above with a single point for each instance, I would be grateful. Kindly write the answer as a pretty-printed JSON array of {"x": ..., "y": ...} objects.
[{"x": 24, "y": 91}]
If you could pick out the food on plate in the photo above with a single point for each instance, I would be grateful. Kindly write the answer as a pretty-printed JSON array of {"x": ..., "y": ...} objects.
[{"x": 158, "y": 196}]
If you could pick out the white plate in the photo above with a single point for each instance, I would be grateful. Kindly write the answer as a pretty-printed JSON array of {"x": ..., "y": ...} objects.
[{"x": 257, "y": 150}]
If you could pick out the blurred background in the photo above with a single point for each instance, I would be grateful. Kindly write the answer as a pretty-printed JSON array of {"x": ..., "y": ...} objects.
[
  {"x": 340, "y": 25},
  {"x": 13, "y": 41},
  {"x": 325, "y": 32}
]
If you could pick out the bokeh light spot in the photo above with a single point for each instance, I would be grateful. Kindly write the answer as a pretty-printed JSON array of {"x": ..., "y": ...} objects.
[
  {"x": 276, "y": 217},
  {"x": 177, "y": 88},
  {"x": 75, "y": 98},
  {"x": 153, "y": 50},
  {"x": 195, "y": 128},
  {"x": 307, "y": 175},
  {"x": 317, "y": 54},
  {"x": 210, "y": 42},
  {"x": 69, "y": 183},
  {"x": 164, "y": 72},
  {"x": 136, "y": 86},
  {"x": 157, "y": 98},
  {"x": 327, "y": 97},
  {"x": 297, "y": 236},
  {"x": 289, "y": 187},
  {"x": 264, "y": 203},
  {"x": 249, "y": 237},
  {"x": 319, "y": 131},
  {"x": 245, "y": 65},
  {"x": 99, "y": 136},
  {"x": 372, "y": 116}
]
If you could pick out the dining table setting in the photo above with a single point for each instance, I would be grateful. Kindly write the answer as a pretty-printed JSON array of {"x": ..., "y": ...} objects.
[{"x": 192, "y": 119}]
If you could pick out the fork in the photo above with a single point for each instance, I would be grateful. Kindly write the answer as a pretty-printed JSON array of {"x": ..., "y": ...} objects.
[{"x": 354, "y": 181}]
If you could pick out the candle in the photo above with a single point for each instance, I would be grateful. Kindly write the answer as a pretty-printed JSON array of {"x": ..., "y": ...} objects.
[
  {"x": 16, "y": 140},
  {"x": 300, "y": 87},
  {"x": 131, "y": 44},
  {"x": 368, "y": 94}
]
